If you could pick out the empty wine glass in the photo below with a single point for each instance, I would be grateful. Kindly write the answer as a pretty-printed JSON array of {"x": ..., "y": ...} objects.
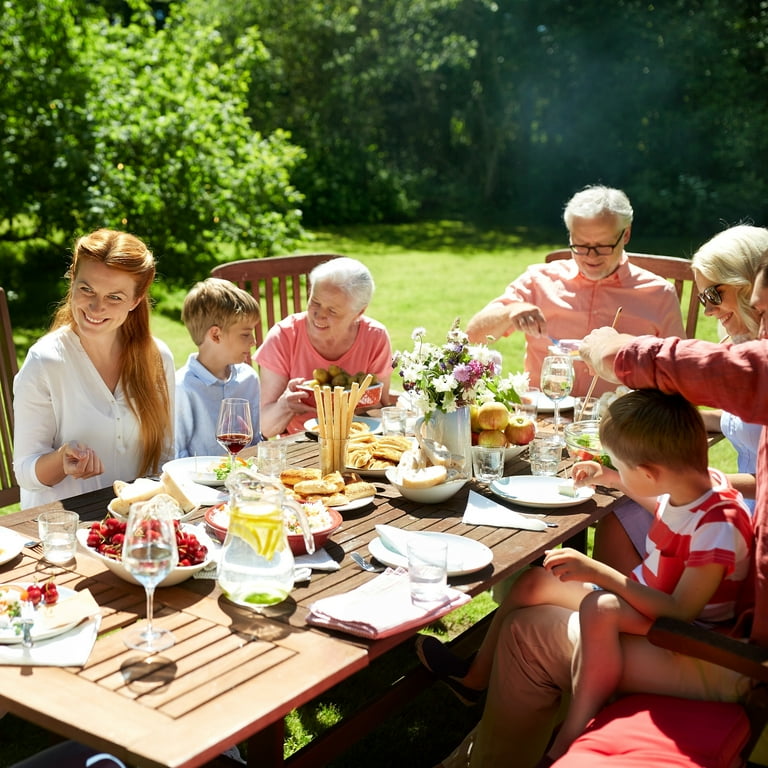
[
  {"x": 149, "y": 555},
  {"x": 557, "y": 382},
  {"x": 234, "y": 430}
]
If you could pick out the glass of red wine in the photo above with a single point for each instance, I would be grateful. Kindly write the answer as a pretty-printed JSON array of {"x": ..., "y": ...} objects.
[{"x": 234, "y": 430}]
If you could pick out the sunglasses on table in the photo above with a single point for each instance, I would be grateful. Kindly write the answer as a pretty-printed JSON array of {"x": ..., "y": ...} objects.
[{"x": 711, "y": 295}]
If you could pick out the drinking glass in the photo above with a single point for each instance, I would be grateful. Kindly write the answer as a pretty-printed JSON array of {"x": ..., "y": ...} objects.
[
  {"x": 149, "y": 555},
  {"x": 557, "y": 382},
  {"x": 234, "y": 430}
]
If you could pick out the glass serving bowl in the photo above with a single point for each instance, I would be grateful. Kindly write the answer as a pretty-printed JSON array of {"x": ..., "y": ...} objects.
[{"x": 582, "y": 438}]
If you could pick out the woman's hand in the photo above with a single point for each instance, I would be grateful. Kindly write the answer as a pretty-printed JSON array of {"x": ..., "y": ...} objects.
[
  {"x": 80, "y": 461},
  {"x": 293, "y": 398}
]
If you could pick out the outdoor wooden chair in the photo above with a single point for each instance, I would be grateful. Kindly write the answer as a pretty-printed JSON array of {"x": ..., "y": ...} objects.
[
  {"x": 672, "y": 268},
  {"x": 279, "y": 283},
  {"x": 9, "y": 488}
]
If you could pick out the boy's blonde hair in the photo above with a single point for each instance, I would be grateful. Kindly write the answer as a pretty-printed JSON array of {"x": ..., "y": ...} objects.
[
  {"x": 649, "y": 427},
  {"x": 217, "y": 302}
]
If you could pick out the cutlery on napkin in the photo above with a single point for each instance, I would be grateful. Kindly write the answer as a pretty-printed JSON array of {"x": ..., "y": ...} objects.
[
  {"x": 484, "y": 511},
  {"x": 380, "y": 608}
]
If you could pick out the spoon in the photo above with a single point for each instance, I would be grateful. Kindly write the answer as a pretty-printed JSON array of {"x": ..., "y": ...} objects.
[{"x": 365, "y": 565}]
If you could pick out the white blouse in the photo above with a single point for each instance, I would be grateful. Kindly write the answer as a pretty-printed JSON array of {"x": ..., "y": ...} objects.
[{"x": 59, "y": 396}]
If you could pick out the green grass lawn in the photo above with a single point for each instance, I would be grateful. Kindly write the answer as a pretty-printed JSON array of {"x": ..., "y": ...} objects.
[{"x": 426, "y": 275}]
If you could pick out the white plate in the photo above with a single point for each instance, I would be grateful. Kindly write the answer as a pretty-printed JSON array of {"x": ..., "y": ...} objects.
[
  {"x": 380, "y": 473},
  {"x": 197, "y": 469},
  {"x": 535, "y": 491},
  {"x": 11, "y": 545},
  {"x": 464, "y": 555},
  {"x": 373, "y": 424},
  {"x": 545, "y": 405},
  {"x": 8, "y": 635},
  {"x": 356, "y": 504}
]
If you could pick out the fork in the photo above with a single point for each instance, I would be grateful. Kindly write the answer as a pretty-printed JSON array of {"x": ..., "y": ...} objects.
[
  {"x": 365, "y": 565},
  {"x": 34, "y": 545}
]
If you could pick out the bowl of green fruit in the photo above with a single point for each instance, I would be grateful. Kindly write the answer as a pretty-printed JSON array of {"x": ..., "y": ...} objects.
[
  {"x": 334, "y": 376},
  {"x": 582, "y": 438}
]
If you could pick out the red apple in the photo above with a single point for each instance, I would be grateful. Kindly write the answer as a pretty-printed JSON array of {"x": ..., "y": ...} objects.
[
  {"x": 474, "y": 409},
  {"x": 520, "y": 430},
  {"x": 492, "y": 438},
  {"x": 493, "y": 416}
]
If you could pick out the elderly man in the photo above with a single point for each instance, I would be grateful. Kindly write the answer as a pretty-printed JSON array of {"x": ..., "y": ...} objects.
[
  {"x": 532, "y": 664},
  {"x": 566, "y": 299}
]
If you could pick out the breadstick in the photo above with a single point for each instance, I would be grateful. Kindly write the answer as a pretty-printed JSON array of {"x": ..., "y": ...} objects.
[
  {"x": 320, "y": 410},
  {"x": 360, "y": 392},
  {"x": 353, "y": 398}
]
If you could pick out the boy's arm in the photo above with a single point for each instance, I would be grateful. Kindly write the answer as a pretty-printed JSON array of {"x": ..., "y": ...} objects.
[{"x": 693, "y": 591}]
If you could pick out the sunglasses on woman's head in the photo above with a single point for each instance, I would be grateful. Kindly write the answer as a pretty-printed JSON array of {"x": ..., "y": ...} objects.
[{"x": 710, "y": 295}]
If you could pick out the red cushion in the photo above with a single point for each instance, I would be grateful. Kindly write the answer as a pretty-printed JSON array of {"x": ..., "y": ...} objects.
[{"x": 645, "y": 729}]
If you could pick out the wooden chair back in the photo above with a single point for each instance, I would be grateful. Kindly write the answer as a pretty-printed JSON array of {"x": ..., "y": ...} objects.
[
  {"x": 279, "y": 283},
  {"x": 9, "y": 488},
  {"x": 672, "y": 268}
]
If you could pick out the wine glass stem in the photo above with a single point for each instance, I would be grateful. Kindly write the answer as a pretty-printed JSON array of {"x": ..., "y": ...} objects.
[
  {"x": 557, "y": 418},
  {"x": 150, "y": 611}
]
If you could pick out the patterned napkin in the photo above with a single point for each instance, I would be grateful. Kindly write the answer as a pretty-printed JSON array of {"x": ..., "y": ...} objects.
[{"x": 380, "y": 608}]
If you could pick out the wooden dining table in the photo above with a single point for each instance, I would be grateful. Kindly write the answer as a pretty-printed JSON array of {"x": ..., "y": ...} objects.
[{"x": 234, "y": 674}]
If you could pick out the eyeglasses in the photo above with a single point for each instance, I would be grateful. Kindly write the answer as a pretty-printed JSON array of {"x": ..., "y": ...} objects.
[
  {"x": 600, "y": 250},
  {"x": 711, "y": 295}
]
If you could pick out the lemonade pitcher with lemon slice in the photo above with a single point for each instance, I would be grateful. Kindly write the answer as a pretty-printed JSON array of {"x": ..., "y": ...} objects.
[{"x": 256, "y": 563}]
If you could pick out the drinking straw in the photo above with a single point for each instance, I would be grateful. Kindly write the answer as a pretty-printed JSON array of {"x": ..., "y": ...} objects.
[{"x": 595, "y": 377}]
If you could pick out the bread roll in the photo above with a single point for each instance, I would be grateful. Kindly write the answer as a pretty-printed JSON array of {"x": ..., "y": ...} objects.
[
  {"x": 424, "y": 478},
  {"x": 294, "y": 475},
  {"x": 359, "y": 490},
  {"x": 315, "y": 488}
]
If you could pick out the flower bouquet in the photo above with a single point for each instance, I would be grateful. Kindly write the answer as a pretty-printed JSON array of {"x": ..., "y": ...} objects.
[{"x": 455, "y": 374}]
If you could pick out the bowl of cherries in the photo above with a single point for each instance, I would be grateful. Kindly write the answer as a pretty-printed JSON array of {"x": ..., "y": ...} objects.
[{"x": 104, "y": 540}]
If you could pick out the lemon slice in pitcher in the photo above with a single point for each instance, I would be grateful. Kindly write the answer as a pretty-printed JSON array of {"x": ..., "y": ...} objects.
[{"x": 262, "y": 532}]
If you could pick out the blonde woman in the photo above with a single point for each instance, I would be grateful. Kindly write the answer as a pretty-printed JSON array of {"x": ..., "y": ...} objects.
[{"x": 93, "y": 401}]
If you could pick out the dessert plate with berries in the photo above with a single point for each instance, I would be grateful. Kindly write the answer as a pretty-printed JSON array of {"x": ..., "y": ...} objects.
[{"x": 43, "y": 597}]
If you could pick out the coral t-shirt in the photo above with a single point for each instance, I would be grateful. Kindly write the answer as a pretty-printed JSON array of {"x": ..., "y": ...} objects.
[{"x": 288, "y": 352}]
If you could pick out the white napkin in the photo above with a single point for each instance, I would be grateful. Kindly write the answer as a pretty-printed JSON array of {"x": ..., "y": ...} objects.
[
  {"x": 484, "y": 511},
  {"x": 320, "y": 560},
  {"x": 380, "y": 608},
  {"x": 396, "y": 539},
  {"x": 70, "y": 649}
]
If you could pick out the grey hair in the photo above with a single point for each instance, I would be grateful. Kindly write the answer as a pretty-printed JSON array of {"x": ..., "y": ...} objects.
[
  {"x": 598, "y": 200},
  {"x": 350, "y": 275},
  {"x": 733, "y": 257}
]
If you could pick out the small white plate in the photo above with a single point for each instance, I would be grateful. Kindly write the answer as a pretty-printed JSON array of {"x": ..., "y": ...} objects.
[
  {"x": 464, "y": 555},
  {"x": 536, "y": 491},
  {"x": 197, "y": 468},
  {"x": 11, "y": 545},
  {"x": 356, "y": 504},
  {"x": 545, "y": 405},
  {"x": 9, "y": 636},
  {"x": 373, "y": 424},
  {"x": 380, "y": 473}
]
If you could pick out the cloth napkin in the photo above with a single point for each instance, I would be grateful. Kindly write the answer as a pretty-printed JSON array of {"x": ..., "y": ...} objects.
[
  {"x": 380, "y": 608},
  {"x": 69, "y": 649},
  {"x": 484, "y": 511}
]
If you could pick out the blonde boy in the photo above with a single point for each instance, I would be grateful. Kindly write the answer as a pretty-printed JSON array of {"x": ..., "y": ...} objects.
[{"x": 220, "y": 318}]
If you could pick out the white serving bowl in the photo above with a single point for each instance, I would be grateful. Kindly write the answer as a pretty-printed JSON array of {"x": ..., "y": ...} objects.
[
  {"x": 432, "y": 495},
  {"x": 176, "y": 576}
]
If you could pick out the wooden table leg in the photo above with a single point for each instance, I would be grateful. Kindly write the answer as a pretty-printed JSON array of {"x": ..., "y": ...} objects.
[{"x": 265, "y": 748}]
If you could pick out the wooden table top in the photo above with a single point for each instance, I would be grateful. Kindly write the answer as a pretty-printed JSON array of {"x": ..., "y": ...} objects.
[{"x": 233, "y": 673}]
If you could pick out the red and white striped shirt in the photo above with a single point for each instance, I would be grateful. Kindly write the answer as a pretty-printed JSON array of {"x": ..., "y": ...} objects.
[{"x": 715, "y": 528}]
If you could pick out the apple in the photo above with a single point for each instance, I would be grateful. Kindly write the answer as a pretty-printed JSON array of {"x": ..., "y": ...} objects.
[
  {"x": 492, "y": 438},
  {"x": 474, "y": 425},
  {"x": 520, "y": 430},
  {"x": 492, "y": 416}
]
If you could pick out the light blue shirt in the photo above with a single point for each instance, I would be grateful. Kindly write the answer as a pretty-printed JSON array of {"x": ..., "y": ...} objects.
[{"x": 198, "y": 398}]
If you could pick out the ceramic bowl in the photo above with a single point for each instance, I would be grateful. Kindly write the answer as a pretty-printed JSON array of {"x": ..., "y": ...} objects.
[
  {"x": 370, "y": 398},
  {"x": 176, "y": 576},
  {"x": 432, "y": 495},
  {"x": 217, "y": 519}
]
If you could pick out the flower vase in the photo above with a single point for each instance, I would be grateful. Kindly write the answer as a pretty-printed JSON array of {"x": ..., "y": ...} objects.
[{"x": 453, "y": 431}]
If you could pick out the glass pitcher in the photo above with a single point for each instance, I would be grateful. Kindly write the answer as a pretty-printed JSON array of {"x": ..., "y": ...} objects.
[{"x": 256, "y": 562}]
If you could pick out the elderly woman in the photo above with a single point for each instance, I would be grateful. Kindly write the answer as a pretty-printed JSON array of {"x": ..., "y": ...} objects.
[
  {"x": 333, "y": 331},
  {"x": 93, "y": 401}
]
